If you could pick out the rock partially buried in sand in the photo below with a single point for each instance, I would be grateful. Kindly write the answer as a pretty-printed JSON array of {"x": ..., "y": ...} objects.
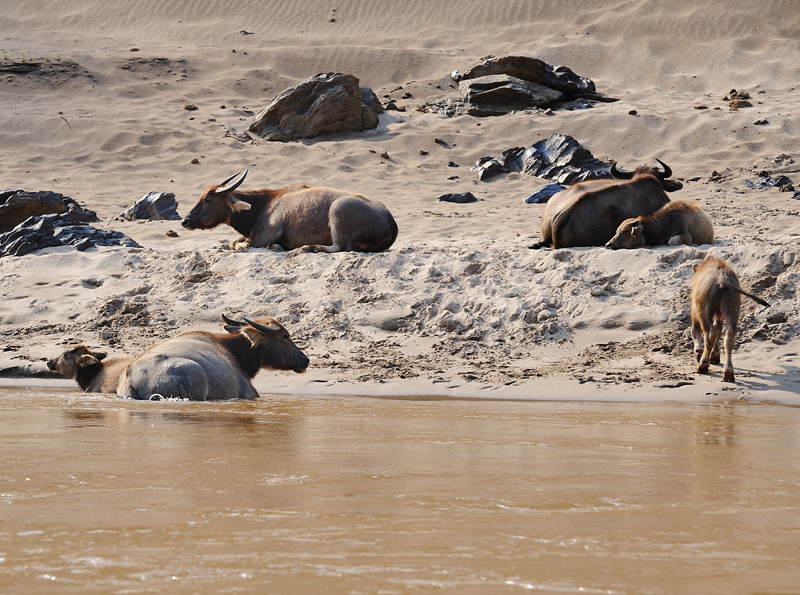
[
  {"x": 459, "y": 198},
  {"x": 18, "y": 205},
  {"x": 154, "y": 206},
  {"x": 499, "y": 86},
  {"x": 323, "y": 104}
]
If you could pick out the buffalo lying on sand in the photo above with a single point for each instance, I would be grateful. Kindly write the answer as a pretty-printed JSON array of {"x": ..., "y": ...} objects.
[
  {"x": 316, "y": 219},
  {"x": 675, "y": 223},
  {"x": 589, "y": 213}
]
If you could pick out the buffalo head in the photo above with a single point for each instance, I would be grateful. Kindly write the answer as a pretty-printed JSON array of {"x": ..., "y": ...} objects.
[
  {"x": 216, "y": 205},
  {"x": 661, "y": 175},
  {"x": 69, "y": 363},
  {"x": 270, "y": 342}
]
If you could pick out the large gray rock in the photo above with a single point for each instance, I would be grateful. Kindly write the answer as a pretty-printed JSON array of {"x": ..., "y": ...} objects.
[
  {"x": 531, "y": 69},
  {"x": 18, "y": 205},
  {"x": 499, "y": 86},
  {"x": 324, "y": 104},
  {"x": 503, "y": 89}
]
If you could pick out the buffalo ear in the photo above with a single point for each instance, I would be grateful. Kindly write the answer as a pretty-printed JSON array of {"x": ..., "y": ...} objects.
[
  {"x": 237, "y": 205},
  {"x": 694, "y": 267},
  {"x": 87, "y": 360},
  {"x": 637, "y": 230},
  {"x": 671, "y": 185},
  {"x": 232, "y": 329}
]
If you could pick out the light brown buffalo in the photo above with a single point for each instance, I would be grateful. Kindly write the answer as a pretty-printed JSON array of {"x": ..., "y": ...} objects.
[
  {"x": 675, "y": 223},
  {"x": 316, "y": 219},
  {"x": 589, "y": 213},
  {"x": 202, "y": 366},
  {"x": 715, "y": 299},
  {"x": 89, "y": 370}
]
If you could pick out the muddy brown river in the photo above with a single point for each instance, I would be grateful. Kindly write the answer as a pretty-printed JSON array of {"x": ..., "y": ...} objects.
[{"x": 359, "y": 495}]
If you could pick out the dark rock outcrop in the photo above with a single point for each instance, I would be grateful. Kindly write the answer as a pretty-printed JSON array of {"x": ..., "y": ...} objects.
[
  {"x": 153, "y": 205},
  {"x": 500, "y": 86},
  {"x": 559, "y": 157},
  {"x": 18, "y": 205},
  {"x": 324, "y": 104},
  {"x": 46, "y": 231}
]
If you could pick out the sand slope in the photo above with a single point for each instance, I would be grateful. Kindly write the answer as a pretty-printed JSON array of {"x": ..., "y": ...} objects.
[{"x": 459, "y": 303}]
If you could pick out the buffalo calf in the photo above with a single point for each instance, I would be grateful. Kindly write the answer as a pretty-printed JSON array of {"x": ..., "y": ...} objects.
[
  {"x": 715, "y": 299},
  {"x": 87, "y": 368},
  {"x": 675, "y": 223}
]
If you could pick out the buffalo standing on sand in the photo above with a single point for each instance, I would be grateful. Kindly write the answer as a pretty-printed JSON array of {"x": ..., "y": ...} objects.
[
  {"x": 715, "y": 300},
  {"x": 589, "y": 213},
  {"x": 316, "y": 219},
  {"x": 204, "y": 366}
]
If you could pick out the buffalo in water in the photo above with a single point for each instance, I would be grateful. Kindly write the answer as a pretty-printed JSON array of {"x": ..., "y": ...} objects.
[
  {"x": 316, "y": 219},
  {"x": 202, "y": 366},
  {"x": 589, "y": 213}
]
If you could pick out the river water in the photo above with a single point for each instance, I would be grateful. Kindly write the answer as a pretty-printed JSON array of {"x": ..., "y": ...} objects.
[{"x": 358, "y": 495}]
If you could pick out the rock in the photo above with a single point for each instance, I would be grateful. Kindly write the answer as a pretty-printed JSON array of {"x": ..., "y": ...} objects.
[
  {"x": 323, "y": 104},
  {"x": 47, "y": 231},
  {"x": 460, "y": 198},
  {"x": 543, "y": 194},
  {"x": 489, "y": 167},
  {"x": 559, "y": 157},
  {"x": 18, "y": 205},
  {"x": 768, "y": 181},
  {"x": 499, "y": 86},
  {"x": 507, "y": 91},
  {"x": 154, "y": 206}
]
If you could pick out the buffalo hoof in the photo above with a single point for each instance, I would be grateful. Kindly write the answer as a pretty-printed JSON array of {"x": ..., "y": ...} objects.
[
  {"x": 702, "y": 369},
  {"x": 727, "y": 376},
  {"x": 715, "y": 357}
]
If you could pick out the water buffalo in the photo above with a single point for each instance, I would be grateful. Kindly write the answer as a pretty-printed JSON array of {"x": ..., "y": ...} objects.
[
  {"x": 87, "y": 368},
  {"x": 715, "y": 299},
  {"x": 589, "y": 213},
  {"x": 202, "y": 366},
  {"x": 675, "y": 223},
  {"x": 316, "y": 219}
]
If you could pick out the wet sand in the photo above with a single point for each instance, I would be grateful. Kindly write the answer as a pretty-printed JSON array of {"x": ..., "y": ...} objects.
[{"x": 343, "y": 494}]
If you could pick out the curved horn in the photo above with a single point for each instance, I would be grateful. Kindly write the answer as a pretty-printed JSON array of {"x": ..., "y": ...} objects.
[
  {"x": 223, "y": 188},
  {"x": 667, "y": 170},
  {"x": 260, "y": 327},
  {"x": 620, "y": 175},
  {"x": 232, "y": 322}
]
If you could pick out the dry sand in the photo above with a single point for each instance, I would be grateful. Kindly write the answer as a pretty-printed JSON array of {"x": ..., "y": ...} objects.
[{"x": 459, "y": 306}]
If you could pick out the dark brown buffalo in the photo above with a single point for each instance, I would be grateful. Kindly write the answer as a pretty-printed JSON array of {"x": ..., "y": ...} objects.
[
  {"x": 202, "y": 366},
  {"x": 316, "y": 219},
  {"x": 589, "y": 213},
  {"x": 89, "y": 370},
  {"x": 715, "y": 300},
  {"x": 675, "y": 223}
]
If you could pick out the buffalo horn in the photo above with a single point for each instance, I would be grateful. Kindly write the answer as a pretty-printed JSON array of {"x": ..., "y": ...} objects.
[
  {"x": 260, "y": 327},
  {"x": 667, "y": 170},
  {"x": 232, "y": 322},
  {"x": 223, "y": 188},
  {"x": 620, "y": 175}
]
